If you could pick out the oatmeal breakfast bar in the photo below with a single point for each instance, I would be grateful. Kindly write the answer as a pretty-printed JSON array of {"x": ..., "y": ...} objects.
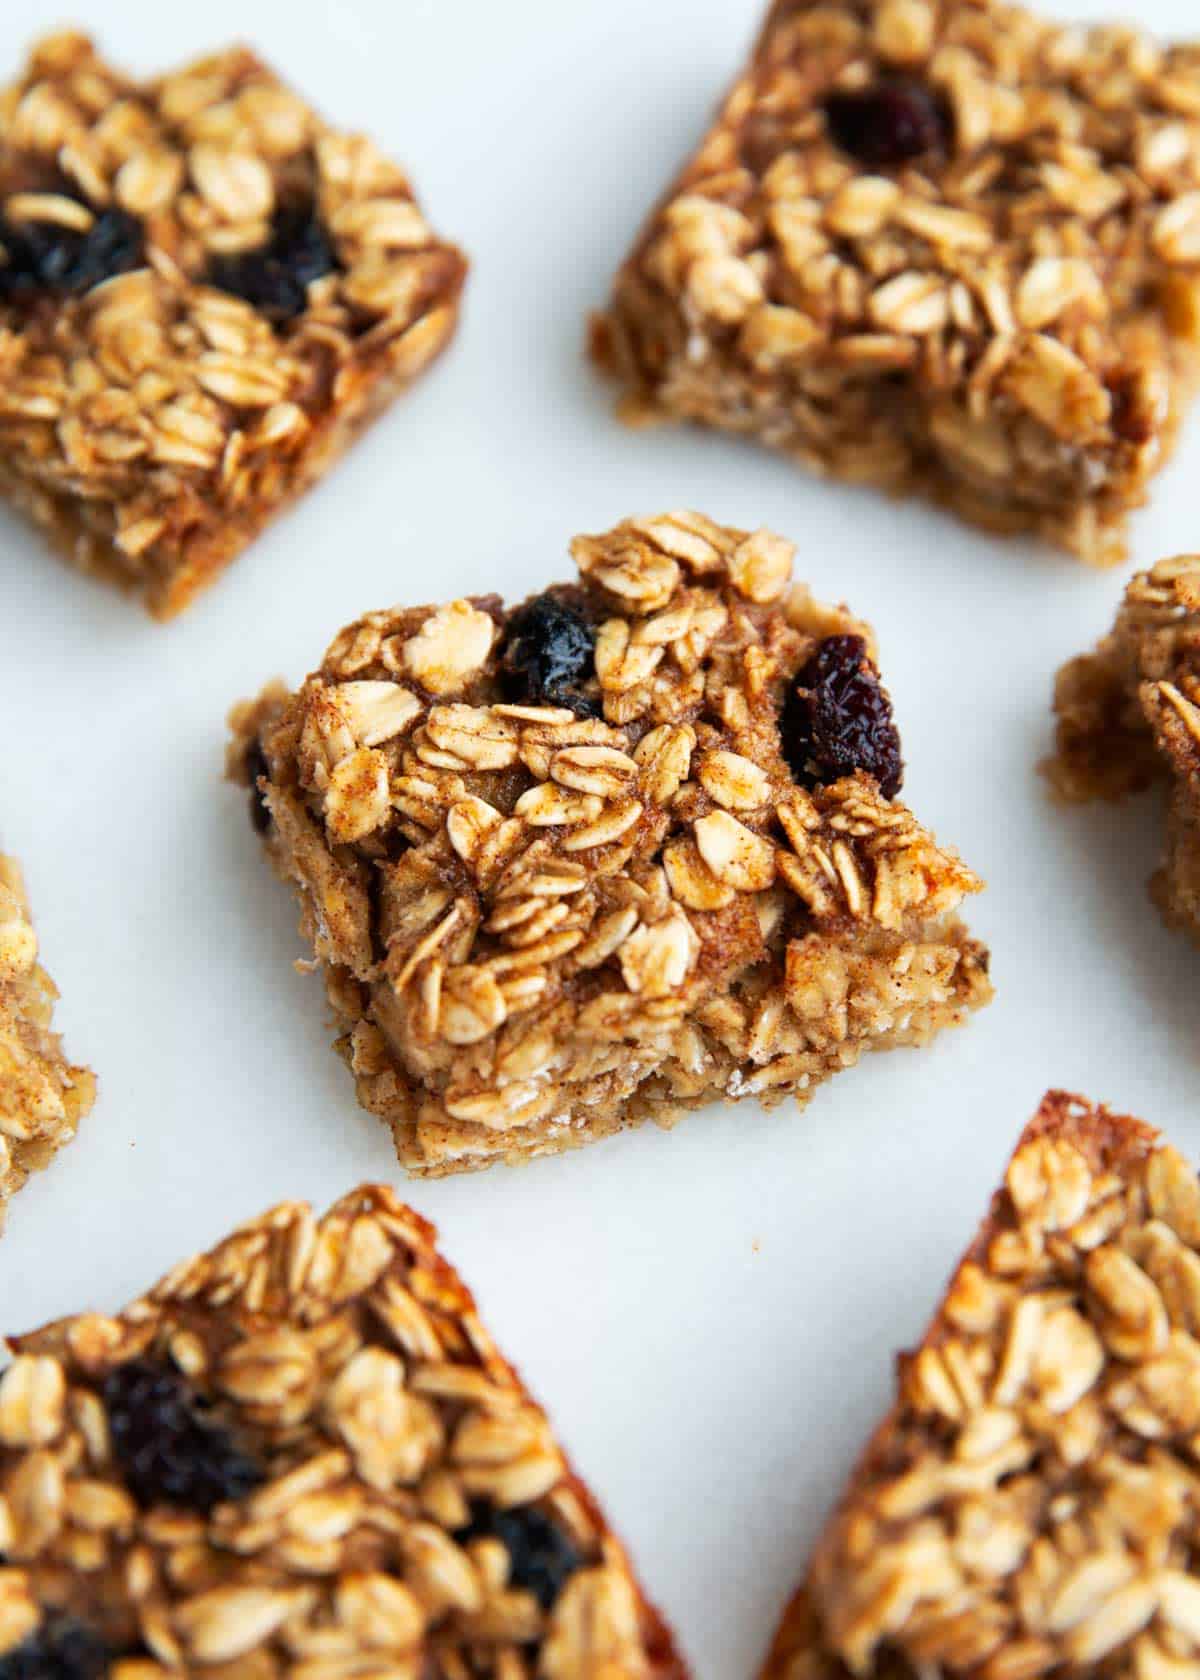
[
  {"x": 936, "y": 246},
  {"x": 1129, "y": 715},
  {"x": 627, "y": 848},
  {"x": 42, "y": 1097},
  {"x": 301, "y": 1455},
  {"x": 1028, "y": 1506},
  {"x": 205, "y": 294}
]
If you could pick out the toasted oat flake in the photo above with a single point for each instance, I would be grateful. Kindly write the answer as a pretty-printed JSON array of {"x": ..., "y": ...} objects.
[
  {"x": 541, "y": 923},
  {"x": 449, "y": 648}
]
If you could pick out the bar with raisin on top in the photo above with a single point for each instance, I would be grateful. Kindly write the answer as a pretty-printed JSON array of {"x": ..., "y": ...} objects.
[
  {"x": 1129, "y": 716},
  {"x": 1027, "y": 1507},
  {"x": 43, "y": 1097},
  {"x": 205, "y": 294},
  {"x": 935, "y": 246},
  {"x": 630, "y": 847},
  {"x": 302, "y": 1454}
]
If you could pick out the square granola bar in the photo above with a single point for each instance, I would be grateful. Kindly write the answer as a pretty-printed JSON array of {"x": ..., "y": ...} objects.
[
  {"x": 1129, "y": 716},
  {"x": 630, "y": 847},
  {"x": 1028, "y": 1506},
  {"x": 205, "y": 294},
  {"x": 936, "y": 246},
  {"x": 42, "y": 1097},
  {"x": 302, "y": 1455}
]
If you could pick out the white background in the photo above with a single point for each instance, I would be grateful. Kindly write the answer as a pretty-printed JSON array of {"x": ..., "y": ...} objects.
[{"x": 709, "y": 1315}]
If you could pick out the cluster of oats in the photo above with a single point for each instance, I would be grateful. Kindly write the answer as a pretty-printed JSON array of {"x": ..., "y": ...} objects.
[
  {"x": 348, "y": 1358},
  {"x": 1129, "y": 715},
  {"x": 1029, "y": 1507},
  {"x": 1007, "y": 323},
  {"x": 539, "y": 927},
  {"x": 154, "y": 422},
  {"x": 42, "y": 1097}
]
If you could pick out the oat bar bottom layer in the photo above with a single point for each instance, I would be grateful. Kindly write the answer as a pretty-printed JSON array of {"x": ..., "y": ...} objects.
[
  {"x": 627, "y": 848},
  {"x": 1028, "y": 1506}
]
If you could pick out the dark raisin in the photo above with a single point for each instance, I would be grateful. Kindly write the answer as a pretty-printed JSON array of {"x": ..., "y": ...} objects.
[
  {"x": 61, "y": 1649},
  {"x": 890, "y": 123},
  {"x": 170, "y": 1452},
  {"x": 548, "y": 656},
  {"x": 258, "y": 769},
  {"x": 275, "y": 278},
  {"x": 41, "y": 258},
  {"x": 838, "y": 718},
  {"x": 541, "y": 1558},
  {"x": 1132, "y": 416}
]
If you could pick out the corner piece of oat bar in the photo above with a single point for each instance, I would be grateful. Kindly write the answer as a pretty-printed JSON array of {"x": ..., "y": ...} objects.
[
  {"x": 627, "y": 848},
  {"x": 1129, "y": 715},
  {"x": 1028, "y": 1506},
  {"x": 935, "y": 246},
  {"x": 205, "y": 293},
  {"x": 302, "y": 1454},
  {"x": 42, "y": 1097}
]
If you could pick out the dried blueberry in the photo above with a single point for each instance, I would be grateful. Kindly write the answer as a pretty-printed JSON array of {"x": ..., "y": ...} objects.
[
  {"x": 275, "y": 278},
  {"x": 258, "y": 769},
  {"x": 838, "y": 718},
  {"x": 541, "y": 1558},
  {"x": 890, "y": 123},
  {"x": 170, "y": 1452},
  {"x": 61, "y": 1649},
  {"x": 548, "y": 656},
  {"x": 42, "y": 258}
]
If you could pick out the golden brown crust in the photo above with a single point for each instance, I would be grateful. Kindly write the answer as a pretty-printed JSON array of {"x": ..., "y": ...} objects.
[
  {"x": 346, "y": 1359},
  {"x": 42, "y": 1096},
  {"x": 155, "y": 423},
  {"x": 1026, "y": 1506},
  {"x": 538, "y": 927},
  {"x": 1008, "y": 326}
]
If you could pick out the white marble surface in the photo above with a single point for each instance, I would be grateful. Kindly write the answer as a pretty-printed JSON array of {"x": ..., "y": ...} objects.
[{"x": 709, "y": 1315}]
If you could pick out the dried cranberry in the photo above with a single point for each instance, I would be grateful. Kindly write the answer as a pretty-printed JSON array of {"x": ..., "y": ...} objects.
[
  {"x": 838, "y": 719},
  {"x": 41, "y": 258},
  {"x": 541, "y": 1558},
  {"x": 890, "y": 123},
  {"x": 61, "y": 1649},
  {"x": 548, "y": 656},
  {"x": 257, "y": 769},
  {"x": 170, "y": 1452},
  {"x": 275, "y": 278}
]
